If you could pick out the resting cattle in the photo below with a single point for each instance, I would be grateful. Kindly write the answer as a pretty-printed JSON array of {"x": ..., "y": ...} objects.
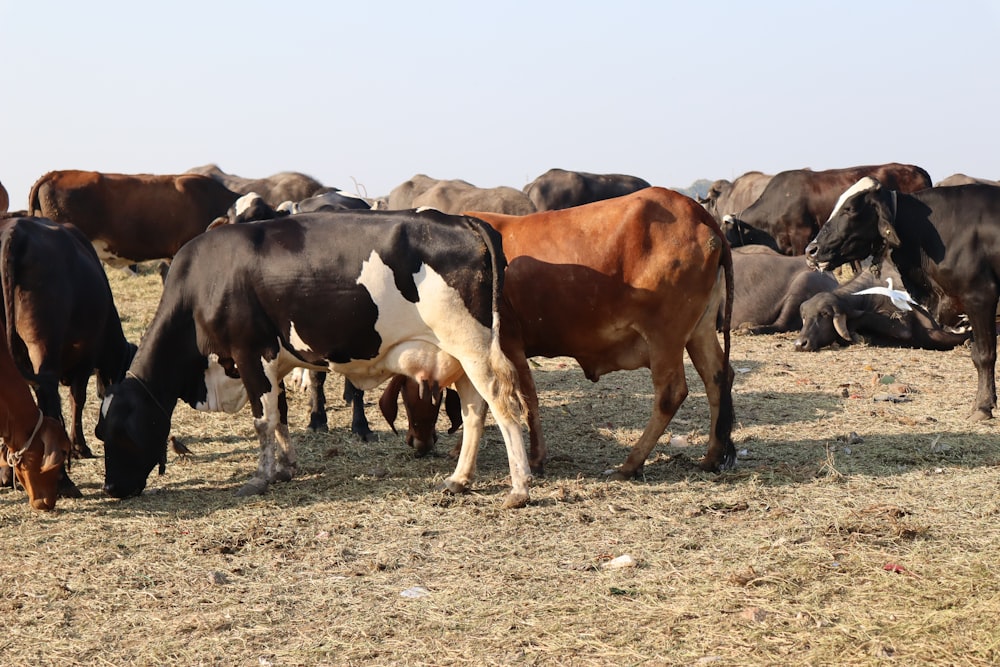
[
  {"x": 366, "y": 294},
  {"x": 131, "y": 218},
  {"x": 796, "y": 203},
  {"x": 457, "y": 196},
  {"x": 401, "y": 197},
  {"x": 34, "y": 446},
  {"x": 4, "y": 199},
  {"x": 280, "y": 187},
  {"x": 962, "y": 179},
  {"x": 770, "y": 287},
  {"x": 558, "y": 188},
  {"x": 945, "y": 243},
  {"x": 731, "y": 198},
  {"x": 647, "y": 292},
  {"x": 60, "y": 316},
  {"x": 837, "y": 315}
]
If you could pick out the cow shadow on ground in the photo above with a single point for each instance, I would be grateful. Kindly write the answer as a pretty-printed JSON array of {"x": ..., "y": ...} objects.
[{"x": 589, "y": 428}]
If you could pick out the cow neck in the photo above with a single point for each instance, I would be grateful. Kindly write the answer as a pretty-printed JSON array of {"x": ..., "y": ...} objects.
[
  {"x": 20, "y": 417},
  {"x": 149, "y": 392},
  {"x": 14, "y": 455}
]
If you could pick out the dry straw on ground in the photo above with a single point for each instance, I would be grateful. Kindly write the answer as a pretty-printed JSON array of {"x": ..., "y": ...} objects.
[{"x": 852, "y": 532}]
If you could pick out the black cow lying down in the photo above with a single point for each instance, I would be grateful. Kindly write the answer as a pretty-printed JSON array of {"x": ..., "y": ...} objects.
[
  {"x": 837, "y": 316},
  {"x": 769, "y": 288},
  {"x": 366, "y": 294}
]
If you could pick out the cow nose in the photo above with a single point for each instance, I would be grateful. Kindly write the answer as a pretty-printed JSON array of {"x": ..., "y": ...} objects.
[
  {"x": 811, "y": 250},
  {"x": 801, "y": 345}
]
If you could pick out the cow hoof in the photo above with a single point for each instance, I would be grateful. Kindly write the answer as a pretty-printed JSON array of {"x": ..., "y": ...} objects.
[
  {"x": 318, "y": 428},
  {"x": 67, "y": 489},
  {"x": 283, "y": 475},
  {"x": 538, "y": 470},
  {"x": 255, "y": 487},
  {"x": 83, "y": 452},
  {"x": 515, "y": 501},
  {"x": 454, "y": 487},
  {"x": 365, "y": 436},
  {"x": 981, "y": 415},
  {"x": 619, "y": 476}
]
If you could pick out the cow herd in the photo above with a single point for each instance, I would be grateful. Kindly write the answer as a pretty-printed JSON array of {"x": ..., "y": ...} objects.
[{"x": 443, "y": 291}]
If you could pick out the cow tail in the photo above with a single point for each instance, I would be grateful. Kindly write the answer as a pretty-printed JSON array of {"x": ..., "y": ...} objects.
[
  {"x": 8, "y": 281},
  {"x": 34, "y": 205},
  {"x": 506, "y": 389},
  {"x": 724, "y": 425}
]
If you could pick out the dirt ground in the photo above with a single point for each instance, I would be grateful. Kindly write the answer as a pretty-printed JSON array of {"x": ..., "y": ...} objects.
[{"x": 854, "y": 530}]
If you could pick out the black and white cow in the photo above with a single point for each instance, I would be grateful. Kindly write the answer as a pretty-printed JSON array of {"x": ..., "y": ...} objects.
[
  {"x": 368, "y": 295},
  {"x": 944, "y": 241}
]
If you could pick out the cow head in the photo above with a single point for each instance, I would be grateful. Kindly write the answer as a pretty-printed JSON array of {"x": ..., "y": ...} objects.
[
  {"x": 134, "y": 427},
  {"x": 862, "y": 224},
  {"x": 38, "y": 464},
  {"x": 422, "y": 405},
  {"x": 824, "y": 322}
]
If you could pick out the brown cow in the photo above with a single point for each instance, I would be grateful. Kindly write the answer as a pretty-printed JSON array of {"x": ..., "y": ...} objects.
[
  {"x": 131, "y": 218},
  {"x": 796, "y": 203},
  {"x": 275, "y": 189},
  {"x": 4, "y": 199},
  {"x": 647, "y": 291},
  {"x": 34, "y": 446},
  {"x": 732, "y": 197}
]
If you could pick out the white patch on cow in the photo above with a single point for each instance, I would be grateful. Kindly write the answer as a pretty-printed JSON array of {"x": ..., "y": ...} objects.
[
  {"x": 296, "y": 341},
  {"x": 108, "y": 257},
  {"x": 106, "y": 405},
  {"x": 287, "y": 205},
  {"x": 244, "y": 203},
  {"x": 423, "y": 339},
  {"x": 223, "y": 393},
  {"x": 422, "y": 209},
  {"x": 865, "y": 184}
]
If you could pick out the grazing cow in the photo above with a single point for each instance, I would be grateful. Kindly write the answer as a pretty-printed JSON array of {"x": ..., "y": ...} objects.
[
  {"x": 4, "y": 199},
  {"x": 61, "y": 320},
  {"x": 945, "y": 243},
  {"x": 280, "y": 187},
  {"x": 837, "y": 315},
  {"x": 647, "y": 292},
  {"x": 770, "y": 287},
  {"x": 740, "y": 234},
  {"x": 252, "y": 208},
  {"x": 366, "y": 294},
  {"x": 731, "y": 198},
  {"x": 457, "y": 196},
  {"x": 422, "y": 404},
  {"x": 131, "y": 218},
  {"x": 962, "y": 179},
  {"x": 34, "y": 447},
  {"x": 796, "y": 203},
  {"x": 558, "y": 188}
]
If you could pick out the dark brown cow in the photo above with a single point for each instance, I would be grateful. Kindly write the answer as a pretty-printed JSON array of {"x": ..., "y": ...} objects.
[
  {"x": 275, "y": 189},
  {"x": 34, "y": 446},
  {"x": 4, "y": 199},
  {"x": 62, "y": 324},
  {"x": 649, "y": 290},
  {"x": 795, "y": 204},
  {"x": 732, "y": 197},
  {"x": 131, "y": 218},
  {"x": 558, "y": 188}
]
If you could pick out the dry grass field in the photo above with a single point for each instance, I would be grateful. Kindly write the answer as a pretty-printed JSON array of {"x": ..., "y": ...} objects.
[{"x": 853, "y": 532}]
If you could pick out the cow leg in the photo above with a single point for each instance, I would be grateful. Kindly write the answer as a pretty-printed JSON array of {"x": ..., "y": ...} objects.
[
  {"x": 539, "y": 453},
  {"x": 473, "y": 416},
  {"x": 708, "y": 359},
  {"x": 77, "y": 398},
  {"x": 984, "y": 356},
  {"x": 359, "y": 422},
  {"x": 670, "y": 390},
  {"x": 286, "y": 460},
  {"x": 497, "y": 383},
  {"x": 263, "y": 392},
  {"x": 317, "y": 401}
]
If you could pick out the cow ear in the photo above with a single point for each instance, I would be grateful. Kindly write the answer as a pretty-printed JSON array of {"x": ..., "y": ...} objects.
[
  {"x": 885, "y": 205},
  {"x": 389, "y": 401}
]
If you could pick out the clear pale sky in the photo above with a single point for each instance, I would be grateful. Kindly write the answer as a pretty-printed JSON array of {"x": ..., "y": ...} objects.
[{"x": 496, "y": 93}]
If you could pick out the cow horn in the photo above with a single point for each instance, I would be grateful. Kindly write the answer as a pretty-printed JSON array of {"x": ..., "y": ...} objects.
[{"x": 840, "y": 324}]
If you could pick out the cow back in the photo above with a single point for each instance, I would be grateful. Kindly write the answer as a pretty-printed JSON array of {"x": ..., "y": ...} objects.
[{"x": 558, "y": 188}]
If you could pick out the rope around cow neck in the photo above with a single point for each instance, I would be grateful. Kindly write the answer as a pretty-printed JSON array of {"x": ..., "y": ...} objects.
[
  {"x": 149, "y": 392},
  {"x": 14, "y": 457}
]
